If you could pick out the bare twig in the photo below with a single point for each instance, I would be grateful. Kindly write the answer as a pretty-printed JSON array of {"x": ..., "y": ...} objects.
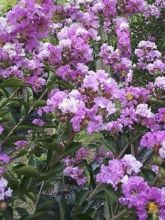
[
  {"x": 93, "y": 192},
  {"x": 118, "y": 215},
  {"x": 38, "y": 197}
]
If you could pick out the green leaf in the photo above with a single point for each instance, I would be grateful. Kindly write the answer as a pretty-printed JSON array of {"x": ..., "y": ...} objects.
[
  {"x": 39, "y": 103},
  {"x": 83, "y": 217},
  {"x": 89, "y": 173},
  {"x": 31, "y": 196},
  {"x": 149, "y": 175},
  {"x": 22, "y": 212},
  {"x": 112, "y": 195},
  {"x": 52, "y": 173},
  {"x": 8, "y": 214},
  {"x": 13, "y": 181},
  {"x": 3, "y": 102},
  {"x": 45, "y": 205},
  {"x": 38, "y": 215},
  {"x": 22, "y": 153},
  {"x": 145, "y": 156},
  {"x": 11, "y": 82},
  {"x": 63, "y": 211},
  {"x": 110, "y": 143},
  {"x": 27, "y": 170},
  {"x": 25, "y": 127},
  {"x": 80, "y": 199},
  {"x": 72, "y": 149}
]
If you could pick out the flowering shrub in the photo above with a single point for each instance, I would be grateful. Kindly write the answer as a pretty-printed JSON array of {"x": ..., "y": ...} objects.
[{"x": 92, "y": 67}]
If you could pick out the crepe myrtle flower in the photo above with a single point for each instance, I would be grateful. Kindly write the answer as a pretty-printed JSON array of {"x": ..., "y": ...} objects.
[
  {"x": 5, "y": 191},
  {"x": 160, "y": 115},
  {"x": 77, "y": 174},
  {"x": 21, "y": 143},
  {"x": 152, "y": 204},
  {"x": 152, "y": 139},
  {"x": 1, "y": 129},
  {"x": 144, "y": 111},
  {"x": 4, "y": 158},
  {"x": 38, "y": 122},
  {"x": 131, "y": 189},
  {"x": 145, "y": 199},
  {"x": 162, "y": 150},
  {"x": 117, "y": 171},
  {"x": 160, "y": 83}
]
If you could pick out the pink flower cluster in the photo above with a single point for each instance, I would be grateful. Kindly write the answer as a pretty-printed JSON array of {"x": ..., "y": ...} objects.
[
  {"x": 5, "y": 191},
  {"x": 155, "y": 140},
  {"x": 149, "y": 58},
  {"x": 87, "y": 106},
  {"x": 73, "y": 167},
  {"x": 145, "y": 199},
  {"x": 118, "y": 170},
  {"x": 22, "y": 51},
  {"x": 36, "y": 48}
]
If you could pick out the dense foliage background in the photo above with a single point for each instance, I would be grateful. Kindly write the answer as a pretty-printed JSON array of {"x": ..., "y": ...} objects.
[{"x": 82, "y": 109}]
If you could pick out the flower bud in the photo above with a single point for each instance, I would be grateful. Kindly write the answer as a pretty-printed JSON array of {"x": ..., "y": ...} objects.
[{"x": 3, "y": 206}]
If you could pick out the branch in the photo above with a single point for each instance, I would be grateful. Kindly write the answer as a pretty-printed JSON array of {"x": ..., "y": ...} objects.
[
  {"x": 118, "y": 215},
  {"x": 38, "y": 198}
]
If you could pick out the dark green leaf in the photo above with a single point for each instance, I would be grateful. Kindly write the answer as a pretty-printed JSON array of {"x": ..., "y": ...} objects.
[
  {"x": 27, "y": 170},
  {"x": 11, "y": 82},
  {"x": 83, "y": 217}
]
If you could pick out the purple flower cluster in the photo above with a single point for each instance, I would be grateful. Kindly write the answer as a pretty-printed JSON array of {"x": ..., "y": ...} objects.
[
  {"x": 38, "y": 122},
  {"x": 149, "y": 58},
  {"x": 151, "y": 10},
  {"x": 160, "y": 83},
  {"x": 160, "y": 4},
  {"x": 73, "y": 167},
  {"x": 110, "y": 8},
  {"x": 4, "y": 160},
  {"x": 145, "y": 199},
  {"x": 128, "y": 7},
  {"x": 134, "y": 108},
  {"x": 35, "y": 48},
  {"x": 123, "y": 36},
  {"x": 153, "y": 139},
  {"x": 30, "y": 21},
  {"x": 77, "y": 174},
  {"x": 1, "y": 129},
  {"x": 88, "y": 106},
  {"x": 118, "y": 170},
  {"x": 143, "y": 111},
  {"x": 5, "y": 191},
  {"x": 134, "y": 6},
  {"x": 160, "y": 115},
  {"x": 22, "y": 52},
  {"x": 162, "y": 150},
  {"x": 21, "y": 144},
  {"x": 154, "y": 9},
  {"x": 118, "y": 64}
]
